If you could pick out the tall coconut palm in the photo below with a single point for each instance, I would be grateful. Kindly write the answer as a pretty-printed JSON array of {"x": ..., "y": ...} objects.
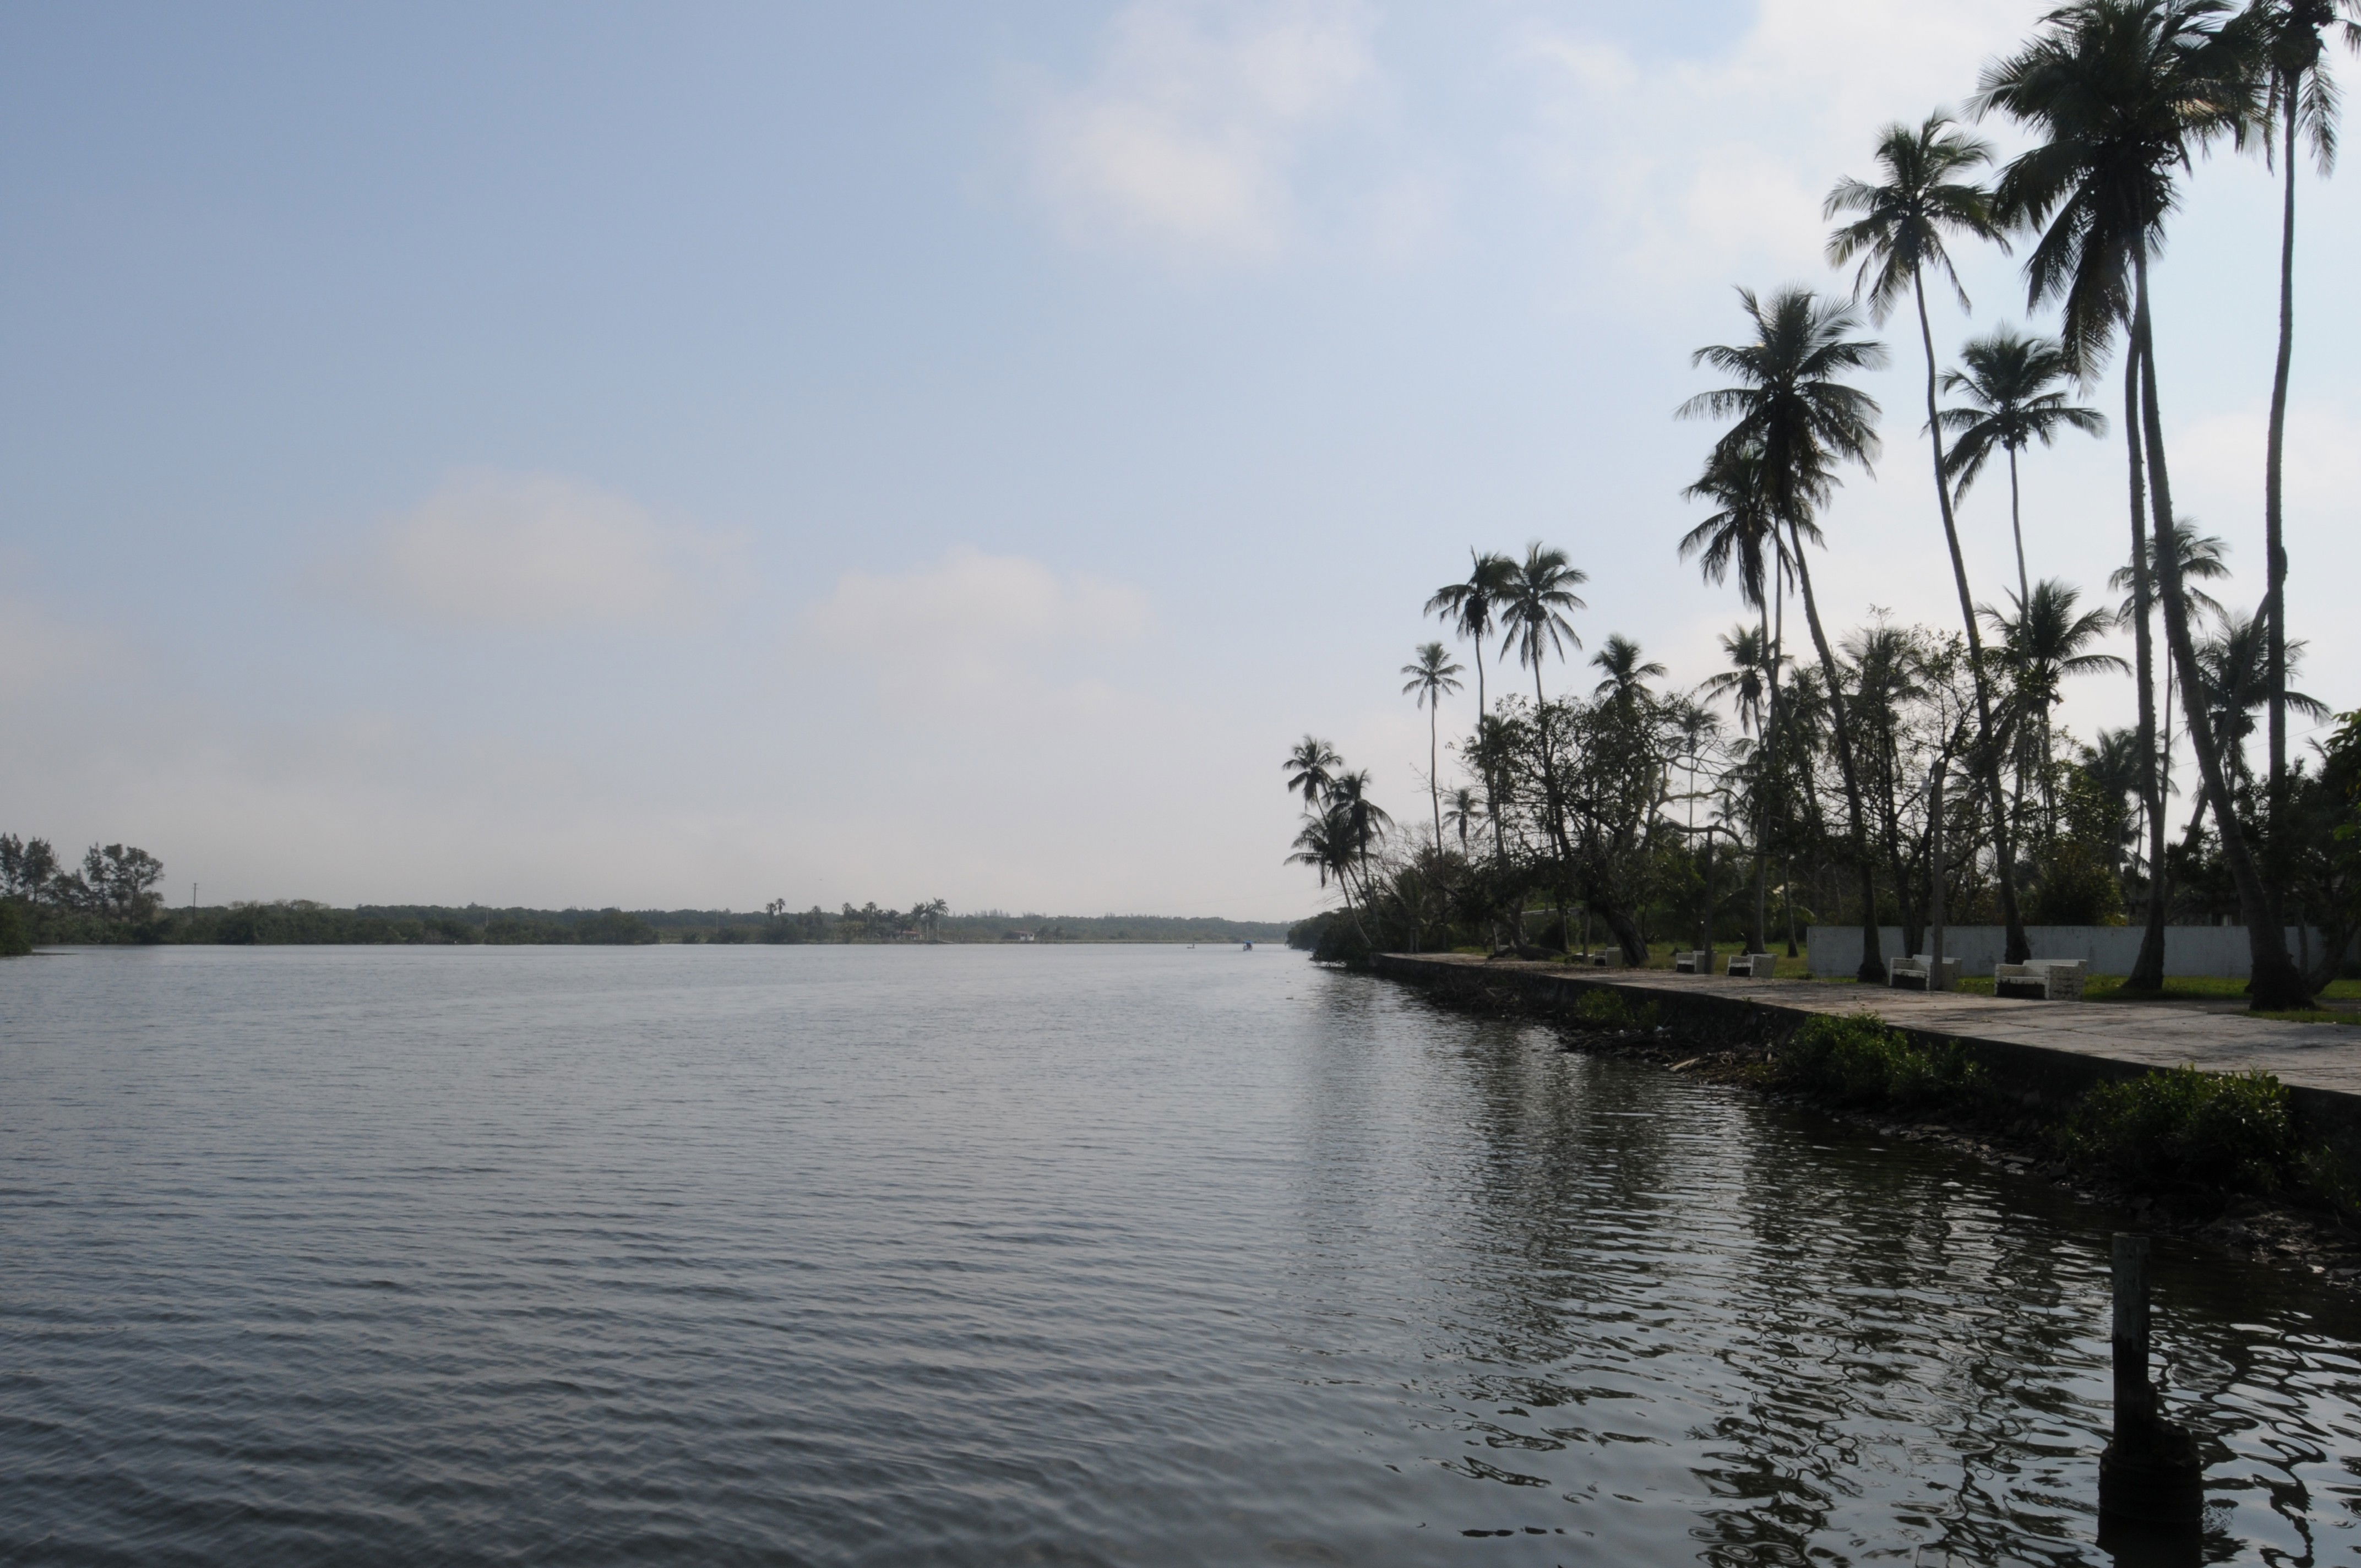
[
  {"x": 1364, "y": 823},
  {"x": 2199, "y": 557},
  {"x": 1745, "y": 532},
  {"x": 2298, "y": 102},
  {"x": 1791, "y": 403},
  {"x": 1433, "y": 676},
  {"x": 2013, "y": 386},
  {"x": 2120, "y": 94},
  {"x": 1925, "y": 197},
  {"x": 2044, "y": 643},
  {"x": 1471, "y": 607},
  {"x": 1312, "y": 769},
  {"x": 1533, "y": 622},
  {"x": 2236, "y": 665}
]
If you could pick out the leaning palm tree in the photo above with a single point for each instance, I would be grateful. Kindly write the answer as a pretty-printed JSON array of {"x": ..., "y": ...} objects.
[
  {"x": 1471, "y": 607},
  {"x": 1365, "y": 824},
  {"x": 2120, "y": 95},
  {"x": 1926, "y": 196},
  {"x": 1790, "y": 402},
  {"x": 1310, "y": 770},
  {"x": 2290, "y": 41},
  {"x": 1326, "y": 843},
  {"x": 1433, "y": 676},
  {"x": 2044, "y": 644},
  {"x": 2012, "y": 384}
]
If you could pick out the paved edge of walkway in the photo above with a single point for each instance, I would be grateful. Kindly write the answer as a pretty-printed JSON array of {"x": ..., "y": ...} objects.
[{"x": 2045, "y": 1045}]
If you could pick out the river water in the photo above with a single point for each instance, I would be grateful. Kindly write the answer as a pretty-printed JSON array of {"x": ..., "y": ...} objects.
[{"x": 1034, "y": 1254}]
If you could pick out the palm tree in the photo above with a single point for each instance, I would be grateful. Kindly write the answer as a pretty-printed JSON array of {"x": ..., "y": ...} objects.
[
  {"x": 2044, "y": 643},
  {"x": 1470, "y": 607},
  {"x": 2236, "y": 664},
  {"x": 1466, "y": 810},
  {"x": 2120, "y": 94},
  {"x": 2199, "y": 557},
  {"x": 1627, "y": 672},
  {"x": 2288, "y": 38},
  {"x": 1900, "y": 234},
  {"x": 1310, "y": 768},
  {"x": 1431, "y": 679},
  {"x": 1741, "y": 682},
  {"x": 1791, "y": 403},
  {"x": 1534, "y": 612},
  {"x": 2011, "y": 382},
  {"x": 1745, "y": 532},
  {"x": 1326, "y": 844},
  {"x": 1364, "y": 823}
]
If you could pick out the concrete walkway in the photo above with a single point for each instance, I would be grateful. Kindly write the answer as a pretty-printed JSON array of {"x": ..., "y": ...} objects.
[{"x": 2322, "y": 1059}]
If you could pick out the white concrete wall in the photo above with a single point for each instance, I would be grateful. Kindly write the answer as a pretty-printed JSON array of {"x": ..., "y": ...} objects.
[{"x": 2218, "y": 951}]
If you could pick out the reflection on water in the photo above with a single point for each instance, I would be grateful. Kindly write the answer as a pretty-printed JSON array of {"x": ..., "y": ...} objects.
[{"x": 1050, "y": 1255}]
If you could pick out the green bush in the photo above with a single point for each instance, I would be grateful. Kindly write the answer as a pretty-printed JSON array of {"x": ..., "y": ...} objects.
[
  {"x": 1601, "y": 1008},
  {"x": 1858, "y": 1060},
  {"x": 2186, "y": 1129},
  {"x": 16, "y": 934}
]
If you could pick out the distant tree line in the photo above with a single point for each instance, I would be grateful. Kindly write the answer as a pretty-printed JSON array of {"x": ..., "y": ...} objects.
[{"x": 113, "y": 899}]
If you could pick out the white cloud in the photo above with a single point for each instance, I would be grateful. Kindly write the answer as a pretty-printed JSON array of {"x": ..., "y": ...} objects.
[
  {"x": 1185, "y": 139},
  {"x": 490, "y": 548},
  {"x": 972, "y": 623},
  {"x": 1688, "y": 170}
]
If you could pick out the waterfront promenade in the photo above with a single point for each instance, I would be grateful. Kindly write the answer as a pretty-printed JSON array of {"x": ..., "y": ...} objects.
[{"x": 2321, "y": 1062}]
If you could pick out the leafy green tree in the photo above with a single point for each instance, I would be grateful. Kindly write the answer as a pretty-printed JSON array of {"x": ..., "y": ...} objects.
[
  {"x": 1791, "y": 403},
  {"x": 1900, "y": 234},
  {"x": 2013, "y": 386},
  {"x": 1433, "y": 676},
  {"x": 2043, "y": 644}
]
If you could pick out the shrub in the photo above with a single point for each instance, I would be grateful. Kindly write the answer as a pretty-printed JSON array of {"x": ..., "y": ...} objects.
[
  {"x": 16, "y": 934},
  {"x": 1858, "y": 1060},
  {"x": 1601, "y": 1008},
  {"x": 2186, "y": 1129}
]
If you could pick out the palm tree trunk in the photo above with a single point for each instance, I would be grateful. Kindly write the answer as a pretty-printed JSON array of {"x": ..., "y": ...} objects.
[
  {"x": 1987, "y": 751},
  {"x": 2148, "y": 970},
  {"x": 1434, "y": 766},
  {"x": 1872, "y": 960},
  {"x": 1756, "y": 941},
  {"x": 2273, "y": 453},
  {"x": 2016, "y": 528},
  {"x": 2276, "y": 982}
]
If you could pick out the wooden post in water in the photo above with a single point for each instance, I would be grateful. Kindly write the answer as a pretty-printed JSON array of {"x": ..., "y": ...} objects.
[{"x": 2149, "y": 1474}]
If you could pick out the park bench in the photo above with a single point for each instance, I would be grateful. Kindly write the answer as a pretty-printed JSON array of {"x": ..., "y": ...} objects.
[
  {"x": 2041, "y": 980},
  {"x": 1910, "y": 973},
  {"x": 1753, "y": 966},
  {"x": 1698, "y": 962}
]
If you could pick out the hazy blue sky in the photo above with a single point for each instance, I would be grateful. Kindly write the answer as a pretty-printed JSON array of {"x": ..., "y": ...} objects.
[{"x": 663, "y": 455}]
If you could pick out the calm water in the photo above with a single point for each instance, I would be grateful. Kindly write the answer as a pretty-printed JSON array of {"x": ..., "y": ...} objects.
[{"x": 1063, "y": 1256}]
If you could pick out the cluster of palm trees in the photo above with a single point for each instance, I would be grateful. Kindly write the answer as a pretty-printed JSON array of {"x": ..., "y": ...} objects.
[{"x": 2118, "y": 97}]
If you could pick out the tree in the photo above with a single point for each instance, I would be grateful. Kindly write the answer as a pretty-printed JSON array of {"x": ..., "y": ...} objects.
[
  {"x": 1791, "y": 403},
  {"x": 2120, "y": 94},
  {"x": 2235, "y": 664},
  {"x": 1627, "y": 671},
  {"x": 1309, "y": 769},
  {"x": 1745, "y": 532},
  {"x": 1431, "y": 679},
  {"x": 1468, "y": 606},
  {"x": 1900, "y": 234},
  {"x": 2044, "y": 643},
  {"x": 1534, "y": 612},
  {"x": 1466, "y": 810},
  {"x": 1742, "y": 680},
  {"x": 2299, "y": 100},
  {"x": 2011, "y": 383}
]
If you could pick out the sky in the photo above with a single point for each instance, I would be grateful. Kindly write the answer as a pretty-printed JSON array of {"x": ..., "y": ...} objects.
[{"x": 654, "y": 455}]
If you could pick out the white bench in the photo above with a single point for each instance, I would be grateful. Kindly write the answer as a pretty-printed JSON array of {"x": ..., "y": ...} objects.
[
  {"x": 1754, "y": 966},
  {"x": 1698, "y": 962},
  {"x": 1910, "y": 973},
  {"x": 2041, "y": 980}
]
